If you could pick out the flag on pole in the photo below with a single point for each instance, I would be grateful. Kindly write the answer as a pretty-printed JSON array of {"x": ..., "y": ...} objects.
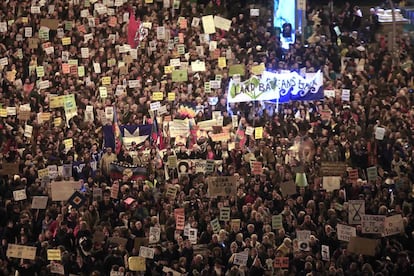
[
  {"x": 117, "y": 133},
  {"x": 156, "y": 135}
]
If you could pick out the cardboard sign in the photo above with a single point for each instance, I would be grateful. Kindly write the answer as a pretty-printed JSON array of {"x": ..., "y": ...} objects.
[
  {"x": 393, "y": 225},
  {"x": 221, "y": 186},
  {"x": 281, "y": 262},
  {"x": 39, "y": 202},
  {"x": 333, "y": 168},
  {"x": 345, "y": 232},
  {"x": 372, "y": 224},
  {"x": 288, "y": 188},
  {"x": 21, "y": 251},
  {"x": 362, "y": 246},
  {"x": 9, "y": 169},
  {"x": 62, "y": 190},
  {"x": 356, "y": 208},
  {"x": 136, "y": 263}
]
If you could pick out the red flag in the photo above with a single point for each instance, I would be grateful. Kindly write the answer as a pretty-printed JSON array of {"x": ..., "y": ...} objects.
[{"x": 133, "y": 27}]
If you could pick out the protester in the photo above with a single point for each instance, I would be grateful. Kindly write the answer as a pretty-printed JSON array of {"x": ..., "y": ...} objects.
[{"x": 114, "y": 158}]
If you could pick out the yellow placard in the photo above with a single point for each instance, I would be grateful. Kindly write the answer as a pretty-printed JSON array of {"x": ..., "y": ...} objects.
[
  {"x": 25, "y": 20},
  {"x": 168, "y": 69},
  {"x": 40, "y": 71},
  {"x": 106, "y": 80},
  {"x": 258, "y": 69},
  {"x": 157, "y": 96},
  {"x": 149, "y": 1},
  {"x": 137, "y": 263},
  {"x": 44, "y": 116},
  {"x": 3, "y": 112},
  {"x": 222, "y": 62},
  {"x": 258, "y": 133},
  {"x": 171, "y": 96},
  {"x": 81, "y": 71},
  {"x": 73, "y": 62},
  {"x": 68, "y": 143},
  {"x": 54, "y": 255},
  {"x": 42, "y": 173},
  {"x": 66, "y": 41},
  {"x": 57, "y": 121},
  {"x": 55, "y": 102}
]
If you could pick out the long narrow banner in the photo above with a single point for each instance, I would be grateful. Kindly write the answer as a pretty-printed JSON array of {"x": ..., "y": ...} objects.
[{"x": 283, "y": 87}]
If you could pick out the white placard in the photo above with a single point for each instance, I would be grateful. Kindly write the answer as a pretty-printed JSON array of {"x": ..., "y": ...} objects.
[
  {"x": 222, "y": 23},
  {"x": 254, "y": 12},
  {"x": 175, "y": 62},
  {"x": 154, "y": 234},
  {"x": 325, "y": 253},
  {"x": 379, "y": 133},
  {"x": 345, "y": 232},
  {"x": 192, "y": 235},
  {"x": 356, "y": 209},
  {"x": 19, "y": 195},
  {"x": 97, "y": 68},
  {"x": 249, "y": 130},
  {"x": 85, "y": 52},
  {"x": 329, "y": 93},
  {"x": 146, "y": 252},
  {"x": 372, "y": 224},
  {"x": 241, "y": 258},
  {"x": 346, "y": 95},
  {"x": 28, "y": 130},
  {"x": 133, "y": 83},
  {"x": 4, "y": 61},
  {"x": 331, "y": 183},
  {"x": 155, "y": 106},
  {"x": 393, "y": 225}
]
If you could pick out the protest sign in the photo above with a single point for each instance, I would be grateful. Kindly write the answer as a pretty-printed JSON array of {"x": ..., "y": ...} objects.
[
  {"x": 362, "y": 246},
  {"x": 221, "y": 186},
  {"x": 331, "y": 183},
  {"x": 270, "y": 86},
  {"x": 393, "y": 225},
  {"x": 356, "y": 208},
  {"x": 372, "y": 224},
  {"x": 345, "y": 232},
  {"x": 333, "y": 168},
  {"x": 21, "y": 251},
  {"x": 241, "y": 258}
]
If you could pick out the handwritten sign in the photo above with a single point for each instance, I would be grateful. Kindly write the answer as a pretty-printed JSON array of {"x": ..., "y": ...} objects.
[
  {"x": 345, "y": 232},
  {"x": 356, "y": 208},
  {"x": 393, "y": 225},
  {"x": 372, "y": 224},
  {"x": 21, "y": 252},
  {"x": 221, "y": 186},
  {"x": 54, "y": 255}
]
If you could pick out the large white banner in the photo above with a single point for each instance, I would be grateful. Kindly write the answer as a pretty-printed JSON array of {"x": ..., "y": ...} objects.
[{"x": 283, "y": 87}]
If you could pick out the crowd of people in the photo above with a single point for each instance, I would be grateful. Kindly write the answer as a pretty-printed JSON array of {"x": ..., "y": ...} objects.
[{"x": 67, "y": 74}]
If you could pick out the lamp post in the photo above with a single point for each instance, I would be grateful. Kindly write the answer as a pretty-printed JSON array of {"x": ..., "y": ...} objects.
[{"x": 395, "y": 55}]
